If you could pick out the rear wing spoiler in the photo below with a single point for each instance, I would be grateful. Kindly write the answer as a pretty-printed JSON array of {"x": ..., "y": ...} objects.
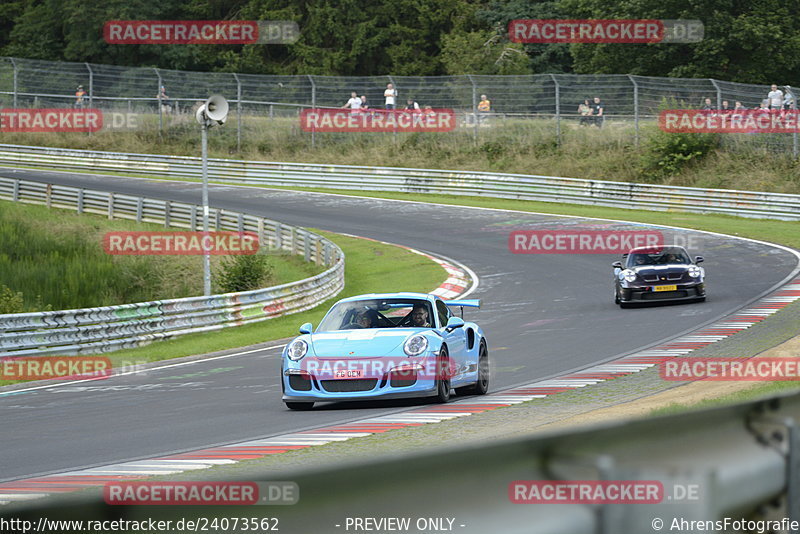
[{"x": 466, "y": 303}]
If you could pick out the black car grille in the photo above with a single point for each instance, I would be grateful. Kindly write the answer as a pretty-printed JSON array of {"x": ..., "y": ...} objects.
[
  {"x": 661, "y": 295},
  {"x": 300, "y": 382},
  {"x": 671, "y": 277},
  {"x": 344, "y": 385},
  {"x": 402, "y": 379}
]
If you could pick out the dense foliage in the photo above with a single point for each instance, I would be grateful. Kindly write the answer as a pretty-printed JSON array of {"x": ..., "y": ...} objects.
[{"x": 755, "y": 41}]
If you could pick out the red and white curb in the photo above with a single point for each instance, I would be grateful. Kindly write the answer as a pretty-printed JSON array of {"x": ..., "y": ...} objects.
[{"x": 39, "y": 487}]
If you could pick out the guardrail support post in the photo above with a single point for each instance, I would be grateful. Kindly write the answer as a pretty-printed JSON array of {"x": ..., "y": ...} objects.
[
  {"x": 167, "y": 214},
  {"x": 15, "y": 192},
  {"x": 139, "y": 209},
  {"x": 635, "y": 108},
  {"x": 240, "y": 222},
  {"x": 48, "y": 195},
  {"x": 218, "y": 220},
  {"x": 558, "y": 109},
  {"x": 306, "y": 248},
  {"x": 80, "y": 201},
  {"x": 278, "y": 237},
  {"x": 474, "y": 109},
  {"x": 110, "y": 206}
]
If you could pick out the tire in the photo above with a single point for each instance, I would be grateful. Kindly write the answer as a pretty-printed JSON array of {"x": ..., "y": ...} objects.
[
  {"x": 442, "y": 383},
  {"x": 481, "y": 386},
  {"x": 616, "y": 295},
  {"x": 299, "y": 406}
]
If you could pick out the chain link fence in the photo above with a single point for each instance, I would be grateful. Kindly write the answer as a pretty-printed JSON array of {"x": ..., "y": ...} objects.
[{"x": 542, "y": 105}]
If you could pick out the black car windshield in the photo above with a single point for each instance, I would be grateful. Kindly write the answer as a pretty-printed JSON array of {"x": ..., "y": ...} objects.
[
  {"x": 378, "y": 313},
  {"x": 666, "y": 256}
]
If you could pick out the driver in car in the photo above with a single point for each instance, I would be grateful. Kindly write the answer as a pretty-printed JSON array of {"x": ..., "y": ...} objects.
[
  {"x": 419, "y": 317},
  {"x": 364, "y": 320}
]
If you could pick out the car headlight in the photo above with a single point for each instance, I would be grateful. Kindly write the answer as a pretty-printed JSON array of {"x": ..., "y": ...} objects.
[
  {"x": 695, "y": 271},
  {"x": 297, "y": 350},
  {"x": 628, "y": 275},
  {"x": 415, "y": 345}
]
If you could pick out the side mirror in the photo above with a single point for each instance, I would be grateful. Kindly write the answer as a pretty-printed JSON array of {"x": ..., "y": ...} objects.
[
  {"x": 698, "y": 259},
  {"x": 617, "y": 264},
  {"x": 306, "y": 328},
  {"x": 453, "y": 323}
]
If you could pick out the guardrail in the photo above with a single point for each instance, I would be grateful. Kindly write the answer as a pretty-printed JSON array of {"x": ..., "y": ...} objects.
[
  {"x": 741, "y": 462},
  {"x": 513, "y": 186},
  {"x": 103, "y": 329}
]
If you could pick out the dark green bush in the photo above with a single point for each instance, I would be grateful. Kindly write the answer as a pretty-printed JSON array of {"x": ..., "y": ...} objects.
[{"x": 244, "y": 273}]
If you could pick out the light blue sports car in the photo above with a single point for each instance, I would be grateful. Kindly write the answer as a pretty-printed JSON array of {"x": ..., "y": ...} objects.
[{"x": 392, "y": 345}]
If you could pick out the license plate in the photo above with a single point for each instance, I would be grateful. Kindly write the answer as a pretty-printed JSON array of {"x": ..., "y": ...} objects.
[
  {"x": 665, "y": 288},
  {"x": 355, "y": 373}
]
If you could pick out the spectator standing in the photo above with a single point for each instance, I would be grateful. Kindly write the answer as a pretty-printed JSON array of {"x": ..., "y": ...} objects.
[
  {"x": 585, "y": 110},
  {"x": 411, "y": 105},
  {"x": 597, "y": 110},
  {"x": 707, "y": 105},
  {"x": 390, "y": 94},
  {"x": 163, "y": 99},
  {"x": 726, "y": 108},
  {"x": 484, "y": 108},
  {"x": 788, "y": 99},
  {"x": 80, "y": 97},
  {"x": 775, "y": 97},
  {"x": 354, "y": 103},
  {"x": 364, "y": 105}
]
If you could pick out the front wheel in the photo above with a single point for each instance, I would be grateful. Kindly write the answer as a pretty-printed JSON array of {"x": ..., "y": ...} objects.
[
  {"x": 443, "y": 377},
  {"x": 300, "y": 406}
]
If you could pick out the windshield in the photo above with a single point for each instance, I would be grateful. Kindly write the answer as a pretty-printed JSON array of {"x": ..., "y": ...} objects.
[
  {"x": 378, "y": 313},
  {"x": 666, "y": 256}
]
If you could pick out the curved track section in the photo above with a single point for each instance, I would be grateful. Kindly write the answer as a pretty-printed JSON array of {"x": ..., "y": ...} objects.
[{"x": 545, "y": 316}]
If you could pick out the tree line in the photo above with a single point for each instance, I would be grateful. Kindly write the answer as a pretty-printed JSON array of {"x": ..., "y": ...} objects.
[{"x": 752, "y": 41}]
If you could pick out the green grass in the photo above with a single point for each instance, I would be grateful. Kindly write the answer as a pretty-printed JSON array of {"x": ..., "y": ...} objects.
[
  {"x": 370, "y": 267},
  {"x": 55, "y": 259},
  {"x": 746, "y": 395},
  {"x": 526, "y": 146}
]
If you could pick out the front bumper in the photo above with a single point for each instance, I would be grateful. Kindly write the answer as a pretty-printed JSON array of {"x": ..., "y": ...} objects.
[
  {"x": 301, "y": 385},
  {"x": 644, "y": 293}
]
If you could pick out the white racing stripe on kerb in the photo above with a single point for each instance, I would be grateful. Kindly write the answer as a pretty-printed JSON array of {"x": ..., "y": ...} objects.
[
  {"x": 148, "y": 472},
  {"x": 7, "y": 497}
]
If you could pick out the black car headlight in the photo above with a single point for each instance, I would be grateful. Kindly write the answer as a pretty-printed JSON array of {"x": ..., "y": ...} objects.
[{"x": 297, "y": 349}]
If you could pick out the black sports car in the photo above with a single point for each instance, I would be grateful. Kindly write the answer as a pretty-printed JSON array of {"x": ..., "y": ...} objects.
[{"x": 664, "y": 274}]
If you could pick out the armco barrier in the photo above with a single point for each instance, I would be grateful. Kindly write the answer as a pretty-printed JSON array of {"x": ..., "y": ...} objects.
[
  {"x": 514, "y": 186},
  {"x": 737, "y": 462},
  {"x": 103, "y": 329}
]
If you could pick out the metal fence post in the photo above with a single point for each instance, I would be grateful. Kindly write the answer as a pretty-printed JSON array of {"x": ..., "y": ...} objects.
[
  {"x": 719, "y": 92},
  {"x": 635, "y": 108},
  {"x": 391, "y": 80},
  {"x": 158, "y": 103},
  {"x": 14, "y": 66},
  {"x": 313, "y": 105},
  {"x": 558, "y": 110},
  {"x": 238, "y": 113},
  {"x": 474, "y": 108},
  {"x": 91, "y": 85}
]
